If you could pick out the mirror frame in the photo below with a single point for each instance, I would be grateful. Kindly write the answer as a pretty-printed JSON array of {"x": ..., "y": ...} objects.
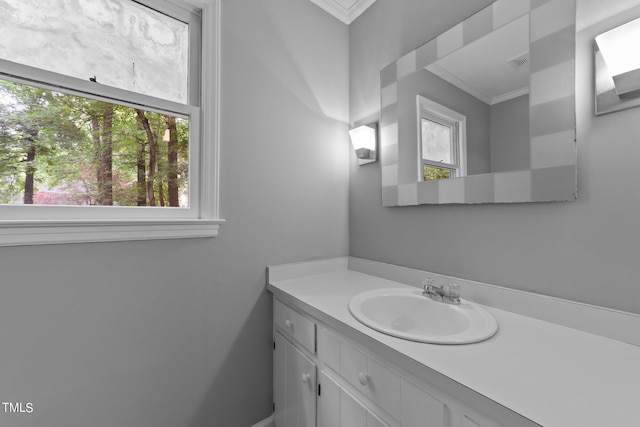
[{"x": 552, "y": 117}]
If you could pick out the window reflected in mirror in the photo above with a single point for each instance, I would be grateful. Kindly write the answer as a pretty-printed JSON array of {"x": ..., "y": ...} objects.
[{"x": 442, "y": 141}]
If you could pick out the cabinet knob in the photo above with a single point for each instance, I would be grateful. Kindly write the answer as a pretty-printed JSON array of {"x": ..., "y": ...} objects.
[
  {"x": 363, "y": 378},
  {"x": 305, "y": 378},
  {"x": 288, "y": 324}
]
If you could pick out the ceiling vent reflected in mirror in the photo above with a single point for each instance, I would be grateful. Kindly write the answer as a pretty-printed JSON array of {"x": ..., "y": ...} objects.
[
  {"x": 519, "y": 61},
  {"x": 500, "y": 64}
]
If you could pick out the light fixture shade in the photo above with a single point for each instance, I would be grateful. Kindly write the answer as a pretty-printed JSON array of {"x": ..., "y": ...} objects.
[
  {"x": 364, "y": 141},
  {"x": 619, "y": 48},
  {"x": 617, "y": 66}
]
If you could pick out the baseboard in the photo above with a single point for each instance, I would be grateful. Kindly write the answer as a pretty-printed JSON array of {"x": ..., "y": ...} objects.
[{"x": 267, "y": 422}]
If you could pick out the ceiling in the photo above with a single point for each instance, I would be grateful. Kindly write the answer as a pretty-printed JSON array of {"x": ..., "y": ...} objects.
[{"x": 345, "y": 10}]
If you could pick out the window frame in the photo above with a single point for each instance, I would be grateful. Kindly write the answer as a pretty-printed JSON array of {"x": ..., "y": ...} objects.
[
  {"x": 35, "y": 224},
  {"x": 453, "y": 143},
  {"x": 444, "y": 116}
]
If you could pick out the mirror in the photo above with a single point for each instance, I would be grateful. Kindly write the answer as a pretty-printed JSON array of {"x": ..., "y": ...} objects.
[{"x": 485, "y": 112}]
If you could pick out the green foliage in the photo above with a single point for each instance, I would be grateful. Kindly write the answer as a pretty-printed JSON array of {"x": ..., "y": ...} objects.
[
  {"x": 430, "y": 173},
  {"x": 60, "y": 130}
]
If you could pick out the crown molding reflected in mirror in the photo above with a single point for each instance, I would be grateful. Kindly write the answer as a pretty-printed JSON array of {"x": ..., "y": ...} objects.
[{"x": 548, "y": 172}]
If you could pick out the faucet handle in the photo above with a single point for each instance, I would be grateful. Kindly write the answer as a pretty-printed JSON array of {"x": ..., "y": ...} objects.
[
  {"x": 428, "y": 281},
  {"x": 452, "y": 290}
]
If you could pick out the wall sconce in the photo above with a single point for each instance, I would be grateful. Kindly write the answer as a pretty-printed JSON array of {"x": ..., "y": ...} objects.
[
  {"x": 365, "y": 140},
  {"x": 617, "y": 68}
]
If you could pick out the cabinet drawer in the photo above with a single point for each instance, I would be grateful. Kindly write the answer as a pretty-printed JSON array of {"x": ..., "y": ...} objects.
[
  {"x": 329, "y": 348},
  {"x": 374, "y": 380},
  {"x": 295, "y": 325},
  {"x": 401, "y": 399}
]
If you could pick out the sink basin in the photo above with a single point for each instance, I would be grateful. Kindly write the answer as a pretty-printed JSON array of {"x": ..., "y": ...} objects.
[{"x": 406, "y": 313}]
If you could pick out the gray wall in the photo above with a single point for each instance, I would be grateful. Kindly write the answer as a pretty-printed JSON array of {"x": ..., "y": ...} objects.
[
  {"x": 178, "y": 333},
  {"x": 587, "y": 250},
  {"x": 510, "y": 142}
]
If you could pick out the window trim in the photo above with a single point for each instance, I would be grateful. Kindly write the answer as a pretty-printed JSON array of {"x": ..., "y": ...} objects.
[
  {"x": 430, "y": 110},
  {"x": 204, "y": 220}
]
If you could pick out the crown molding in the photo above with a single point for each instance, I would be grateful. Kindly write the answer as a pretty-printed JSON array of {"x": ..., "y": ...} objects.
[{"x": 344, "y": 14}]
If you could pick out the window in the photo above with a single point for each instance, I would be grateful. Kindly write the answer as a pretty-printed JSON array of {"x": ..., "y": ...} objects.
[
  {"x": 442, "y": 137},
  {"x": 100, "y": 130}
]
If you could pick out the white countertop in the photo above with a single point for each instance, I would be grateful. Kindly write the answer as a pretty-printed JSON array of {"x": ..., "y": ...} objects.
[{"x": 553, "y": 375}]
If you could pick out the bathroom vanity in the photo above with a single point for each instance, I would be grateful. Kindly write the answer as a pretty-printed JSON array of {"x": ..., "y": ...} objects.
[{"x": 330, "y": 370}]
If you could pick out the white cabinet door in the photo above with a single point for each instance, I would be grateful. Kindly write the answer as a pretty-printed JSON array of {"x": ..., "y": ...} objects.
[
  {"x": 294, "y": 386},
  {"x": 337, "y": 408},
  {"x": 328, "y": 402},
  {"x": 420, "y": 409}
]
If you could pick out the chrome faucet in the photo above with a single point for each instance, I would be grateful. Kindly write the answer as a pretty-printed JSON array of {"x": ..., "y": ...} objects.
[{"x": 449, "y": 294}]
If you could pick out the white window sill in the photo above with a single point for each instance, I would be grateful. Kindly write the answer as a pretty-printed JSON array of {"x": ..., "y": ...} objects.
[{"x": 20, "y": 233}]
